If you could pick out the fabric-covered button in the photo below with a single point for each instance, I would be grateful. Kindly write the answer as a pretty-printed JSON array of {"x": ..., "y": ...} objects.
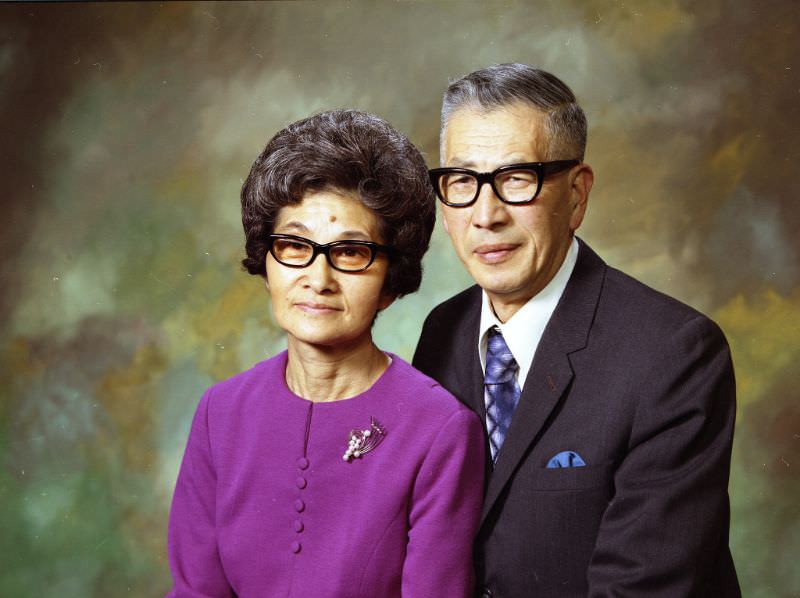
[
  {"x": 298, "y": 526},
  {"x": 296, "y": 547},
  {"x": 302, "y": 463},
  {"x": 301, "y": 482},
  {"x": 299, "y": 506}
]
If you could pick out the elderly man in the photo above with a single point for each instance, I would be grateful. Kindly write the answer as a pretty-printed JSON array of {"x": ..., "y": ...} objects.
[{"x": 609, "y": 407}]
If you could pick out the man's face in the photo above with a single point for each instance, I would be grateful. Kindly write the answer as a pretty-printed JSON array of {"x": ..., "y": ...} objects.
[{"x": 512, "y": 251}]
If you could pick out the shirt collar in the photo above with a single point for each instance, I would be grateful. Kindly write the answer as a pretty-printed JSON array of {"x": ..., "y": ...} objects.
[{"x": 523, "y": 331}]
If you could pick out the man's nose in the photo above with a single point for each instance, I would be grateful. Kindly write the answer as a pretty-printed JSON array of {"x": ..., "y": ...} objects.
[{"x": 488, "y": 211}]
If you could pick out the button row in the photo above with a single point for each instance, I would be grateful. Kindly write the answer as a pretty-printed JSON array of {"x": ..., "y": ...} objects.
[{"x": 301, "y": 482}]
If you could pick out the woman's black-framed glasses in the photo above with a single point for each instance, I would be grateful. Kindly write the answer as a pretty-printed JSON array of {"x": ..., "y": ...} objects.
[
  {"x": 345, "y": 256},
  {"x": 513, "y": 184}
]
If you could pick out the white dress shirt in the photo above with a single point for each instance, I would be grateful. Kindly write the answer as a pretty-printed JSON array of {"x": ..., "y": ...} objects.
[{"x": 523, "y": 331}]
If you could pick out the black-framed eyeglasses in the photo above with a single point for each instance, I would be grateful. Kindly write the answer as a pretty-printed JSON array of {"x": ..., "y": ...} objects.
[
  {"x": 345, "y": 256},
  {"x": 513, "y": 184}
]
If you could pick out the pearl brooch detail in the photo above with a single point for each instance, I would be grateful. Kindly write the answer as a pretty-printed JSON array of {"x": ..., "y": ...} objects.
[{"x": 360, "y": 442}]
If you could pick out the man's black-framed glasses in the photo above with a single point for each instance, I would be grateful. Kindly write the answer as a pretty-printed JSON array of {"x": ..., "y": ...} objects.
[
  {"x": 345, "y": 256},
  {"x": 513, "y": 184}
]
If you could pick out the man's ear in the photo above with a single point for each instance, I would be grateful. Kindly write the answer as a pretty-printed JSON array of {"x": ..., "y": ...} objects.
[{"x": 581, "y": 184}]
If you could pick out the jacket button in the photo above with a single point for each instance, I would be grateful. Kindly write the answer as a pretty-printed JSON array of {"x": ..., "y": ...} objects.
[
  {"x": 302, "y": 463},
  {"x": 299, "y": 505},
  {"x": 486, "y": 593},
  {"x": 298, "y": 526},
  {"x": 296, "y": 547},
  {"x": 301, "y": 482}
]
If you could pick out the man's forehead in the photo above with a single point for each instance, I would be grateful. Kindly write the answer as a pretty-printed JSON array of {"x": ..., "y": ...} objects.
[
  {"x": 504, "y": 135},
  {"x": 518, "y": 109}
]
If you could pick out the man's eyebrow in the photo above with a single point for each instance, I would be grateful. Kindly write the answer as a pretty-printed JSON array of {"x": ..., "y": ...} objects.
[
  {"x": 469, "y": 164},
  {"x": 459, "y": 163}
]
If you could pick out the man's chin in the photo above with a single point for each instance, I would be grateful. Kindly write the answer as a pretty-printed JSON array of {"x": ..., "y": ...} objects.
[
  {"x": 503, "y": 290},
  {"x": 495, "y": 278}
]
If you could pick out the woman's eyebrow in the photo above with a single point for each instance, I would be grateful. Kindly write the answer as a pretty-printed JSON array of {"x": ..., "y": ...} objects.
[
  {"x": 294, "y": 225},
  {"x": 356, "y": 235},
  {"x": 297, "y": 226}
]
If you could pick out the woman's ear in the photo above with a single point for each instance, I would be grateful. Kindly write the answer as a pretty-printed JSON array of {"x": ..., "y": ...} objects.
[{"x": 386, "y": 299}]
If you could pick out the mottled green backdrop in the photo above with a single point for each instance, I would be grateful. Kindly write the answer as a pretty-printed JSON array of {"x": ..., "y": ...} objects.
[{"x": 126, "y": 131}]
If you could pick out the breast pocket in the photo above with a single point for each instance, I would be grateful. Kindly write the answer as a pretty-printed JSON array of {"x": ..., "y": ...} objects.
[
  {"x": 553, "y": 514},
  {"x": 586, "y": 477}
]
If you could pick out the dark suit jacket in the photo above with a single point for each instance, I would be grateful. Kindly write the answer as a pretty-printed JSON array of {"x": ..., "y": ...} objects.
[{"x": 642, "y": 388}]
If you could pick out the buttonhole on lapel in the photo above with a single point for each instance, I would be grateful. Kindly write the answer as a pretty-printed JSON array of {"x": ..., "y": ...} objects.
[{"x": 550, "y": 382}]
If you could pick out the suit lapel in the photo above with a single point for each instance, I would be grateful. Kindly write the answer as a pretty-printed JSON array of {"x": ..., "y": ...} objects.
[
  {"x": 551, "y": 372},
  {"x": 468, "y": 373}
]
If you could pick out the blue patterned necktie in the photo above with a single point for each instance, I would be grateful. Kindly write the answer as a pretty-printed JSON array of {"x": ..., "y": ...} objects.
[{"x": 502, "y": 389}]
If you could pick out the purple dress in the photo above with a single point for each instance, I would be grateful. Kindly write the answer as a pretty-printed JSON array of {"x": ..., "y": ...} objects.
[{"x": 265, "y": 505}]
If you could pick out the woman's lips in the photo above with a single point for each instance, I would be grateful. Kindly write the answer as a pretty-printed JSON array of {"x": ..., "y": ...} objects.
[
  {"x": 316, "y": 308},
  {"x": 497, "y": 252}
]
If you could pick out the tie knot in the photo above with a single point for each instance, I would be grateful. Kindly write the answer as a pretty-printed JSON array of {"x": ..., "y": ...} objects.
[{"x": 500, "y": 363}]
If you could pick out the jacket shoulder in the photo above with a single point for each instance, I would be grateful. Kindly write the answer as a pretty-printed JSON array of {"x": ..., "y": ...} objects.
[
  {"x": 459, "y": 302},
  {"x": 637, "y": 302},
  {"x": 243, "y": 390},
  {"x": 456, "y": 306},
  {"x": 413, "y": 383}
]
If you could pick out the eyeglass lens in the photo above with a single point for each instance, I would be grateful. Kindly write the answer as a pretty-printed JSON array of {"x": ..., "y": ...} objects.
[
  {"x": 511, "y": 185},
  {"x": 345, "y": 256}
]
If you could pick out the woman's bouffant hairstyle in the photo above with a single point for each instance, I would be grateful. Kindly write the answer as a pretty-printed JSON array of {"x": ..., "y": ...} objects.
[{"x": 345, "y": 151}]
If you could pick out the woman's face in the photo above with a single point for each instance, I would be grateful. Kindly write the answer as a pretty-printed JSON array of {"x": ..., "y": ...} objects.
[{"x": 319, "y": 305}]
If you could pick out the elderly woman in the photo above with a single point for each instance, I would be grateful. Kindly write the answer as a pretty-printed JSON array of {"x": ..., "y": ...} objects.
[{"x": 333, "y": 469}]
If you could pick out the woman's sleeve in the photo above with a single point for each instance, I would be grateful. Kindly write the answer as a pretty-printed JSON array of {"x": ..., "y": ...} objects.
[
  {"x": 192, "y": 540},
  {"x": 446, "y": 506}
]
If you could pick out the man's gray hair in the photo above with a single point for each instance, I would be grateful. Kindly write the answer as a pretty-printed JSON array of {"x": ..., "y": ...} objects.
[{"x": 502, "y": 85}]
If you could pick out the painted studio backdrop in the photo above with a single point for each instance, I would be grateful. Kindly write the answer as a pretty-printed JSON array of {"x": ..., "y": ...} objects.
[{"x": 126, "y": 131}]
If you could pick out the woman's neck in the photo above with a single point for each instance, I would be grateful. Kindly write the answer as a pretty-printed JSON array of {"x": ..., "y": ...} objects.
[{"x": 324, "y": 374}]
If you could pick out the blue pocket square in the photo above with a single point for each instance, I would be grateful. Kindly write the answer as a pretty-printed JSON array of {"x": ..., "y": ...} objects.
[{"x": 566, "y": 459}]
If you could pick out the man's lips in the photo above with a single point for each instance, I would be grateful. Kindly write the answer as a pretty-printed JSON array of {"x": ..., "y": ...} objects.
[{"x": 495, "y": 252}]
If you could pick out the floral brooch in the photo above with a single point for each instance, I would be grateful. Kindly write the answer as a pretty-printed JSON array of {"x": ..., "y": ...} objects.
[{"x": 363, "y": 441}]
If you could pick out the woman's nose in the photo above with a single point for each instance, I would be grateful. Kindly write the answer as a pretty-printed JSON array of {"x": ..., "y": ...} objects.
[{"x": 320, "y": 275}]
